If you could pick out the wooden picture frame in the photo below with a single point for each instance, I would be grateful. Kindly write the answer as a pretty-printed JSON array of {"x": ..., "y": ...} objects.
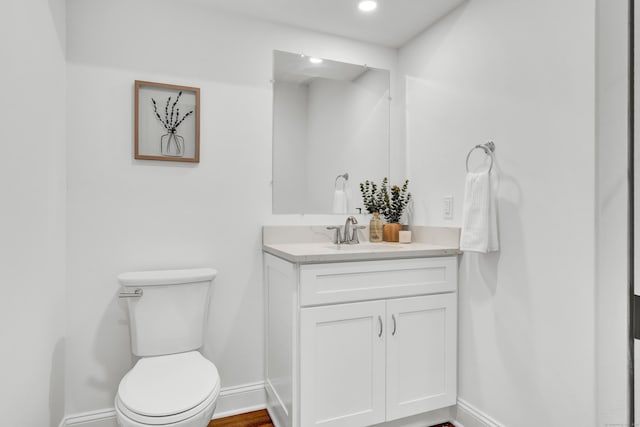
[{"x": 167, "y": 122}]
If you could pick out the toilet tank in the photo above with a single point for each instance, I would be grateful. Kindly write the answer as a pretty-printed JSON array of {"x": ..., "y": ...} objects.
[{"x": 170, "y": 315}]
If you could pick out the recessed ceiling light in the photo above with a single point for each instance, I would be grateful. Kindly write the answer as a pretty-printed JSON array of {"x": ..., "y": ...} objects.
[
  {"x": 367, "y": 5},
  {"x": 315, "y": 60}
]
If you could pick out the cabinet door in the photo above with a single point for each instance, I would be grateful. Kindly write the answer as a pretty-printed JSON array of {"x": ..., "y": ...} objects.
[
  {"x": 342, "y": 374},
  {"x": 421, "y": 354}
]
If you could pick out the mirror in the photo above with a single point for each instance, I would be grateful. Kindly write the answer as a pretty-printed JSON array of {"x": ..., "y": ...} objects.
[{"x": 330, "y": 132}]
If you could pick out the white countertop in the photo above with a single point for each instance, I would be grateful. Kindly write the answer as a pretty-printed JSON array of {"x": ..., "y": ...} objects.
[{"x": 306, "y": 253}]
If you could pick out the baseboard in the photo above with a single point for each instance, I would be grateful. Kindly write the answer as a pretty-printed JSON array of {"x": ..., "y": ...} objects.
[
  {"x": 240, "y": 399},
  {"x": 276, "y": 408},
  {"x": 252, "y": 397},
  {"x": 100, "y": 418},
  {"x": 468, "y": 415},
  {"x": 232, "y": 401}
]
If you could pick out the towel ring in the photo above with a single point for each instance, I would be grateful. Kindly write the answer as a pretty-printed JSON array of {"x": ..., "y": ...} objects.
[
  {"x": 488, "y": 149},
  {"x": 344, "y": 176}
]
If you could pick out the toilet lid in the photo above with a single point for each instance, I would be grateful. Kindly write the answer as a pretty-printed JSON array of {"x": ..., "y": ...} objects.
[{"x": 167, "y": 385}]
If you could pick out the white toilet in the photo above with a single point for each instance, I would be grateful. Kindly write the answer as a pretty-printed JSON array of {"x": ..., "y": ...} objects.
[{"x": 172, "y": 384}]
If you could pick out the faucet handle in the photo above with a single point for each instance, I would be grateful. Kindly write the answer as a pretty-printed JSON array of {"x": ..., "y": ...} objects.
[{"x": 337, "y": 228}]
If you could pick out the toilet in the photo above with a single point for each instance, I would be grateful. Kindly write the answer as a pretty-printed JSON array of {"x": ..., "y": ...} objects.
[{"x": 172, "y": 384}]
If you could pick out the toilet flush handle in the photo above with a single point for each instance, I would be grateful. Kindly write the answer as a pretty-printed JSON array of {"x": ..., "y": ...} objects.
[{"x": 137, "y": 293}]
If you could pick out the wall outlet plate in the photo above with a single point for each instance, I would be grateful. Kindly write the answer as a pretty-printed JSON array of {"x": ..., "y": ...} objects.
[{"x": 447, "y": 207}]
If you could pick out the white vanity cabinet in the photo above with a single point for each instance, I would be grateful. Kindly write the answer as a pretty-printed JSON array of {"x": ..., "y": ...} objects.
[
  {"x": 342, "y": 365},
  {"x": 359, "y": 343}
]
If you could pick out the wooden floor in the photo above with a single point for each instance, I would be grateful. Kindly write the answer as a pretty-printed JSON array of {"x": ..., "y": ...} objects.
[
  {"x": 250, "y": 419},
  {"x": 259, "y": 419}
]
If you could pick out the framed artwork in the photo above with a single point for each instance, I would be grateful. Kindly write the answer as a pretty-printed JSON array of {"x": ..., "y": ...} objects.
[{"x": 167, "y": 122}]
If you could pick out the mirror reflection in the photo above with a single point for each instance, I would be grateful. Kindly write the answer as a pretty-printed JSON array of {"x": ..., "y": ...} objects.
[{"x": 330, "y": 132}]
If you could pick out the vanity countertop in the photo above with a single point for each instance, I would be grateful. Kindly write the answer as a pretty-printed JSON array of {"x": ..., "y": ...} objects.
[
  {"x": 308, "y": 244},
  {"x": 307, "y": 253}
]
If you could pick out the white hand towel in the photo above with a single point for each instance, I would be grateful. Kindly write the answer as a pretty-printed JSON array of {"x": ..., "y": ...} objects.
[
  {"x": 348, "y": 200},
  {"x": 339, "y": 202},
  {"x": 479, "y": 217}
]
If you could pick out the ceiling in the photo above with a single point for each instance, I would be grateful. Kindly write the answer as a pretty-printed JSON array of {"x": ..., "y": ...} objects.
[{"x": 394, "y": 23}]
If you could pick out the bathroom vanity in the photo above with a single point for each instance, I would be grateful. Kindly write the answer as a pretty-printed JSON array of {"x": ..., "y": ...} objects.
[{"x": 358, "y": 335}]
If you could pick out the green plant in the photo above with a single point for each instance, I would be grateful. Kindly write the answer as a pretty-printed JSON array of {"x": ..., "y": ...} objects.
[
  {"x": 371, "y": 197},
  {"x": 389, "y": 202},
  {"x": 395, "y": 200}
]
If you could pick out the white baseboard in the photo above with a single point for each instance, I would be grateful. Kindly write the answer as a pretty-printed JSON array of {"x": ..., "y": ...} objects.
[
  {"x": 232, "y": 401},
  {"x": 240, "y": 399},
  {"x": 468, "y": 415},
  {"x": 252, "y": 397},
  {"x": 100, "y": 418}
]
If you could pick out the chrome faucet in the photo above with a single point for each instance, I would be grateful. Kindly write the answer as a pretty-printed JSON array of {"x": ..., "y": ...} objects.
[{"x": 349, "y": 235}]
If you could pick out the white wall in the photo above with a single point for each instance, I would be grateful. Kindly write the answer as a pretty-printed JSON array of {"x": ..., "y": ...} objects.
[
  {"x": 122, "y": 213},
  {"x": 612, "y": 88},
  {"x": 522, "y": 74},
  {"x": 32, "y": 218}
]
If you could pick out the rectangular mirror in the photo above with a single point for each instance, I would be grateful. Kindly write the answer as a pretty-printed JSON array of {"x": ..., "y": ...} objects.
[{"x": 330, "y": 132}]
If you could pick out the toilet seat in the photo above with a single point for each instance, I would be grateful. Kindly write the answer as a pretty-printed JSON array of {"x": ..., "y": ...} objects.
[
  {"x": 168, "y": 389},
  {"x": 168, "y": 419}
]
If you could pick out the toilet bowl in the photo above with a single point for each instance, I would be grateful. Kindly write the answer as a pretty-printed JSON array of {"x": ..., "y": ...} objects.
[{"x": 172, "y": 384}]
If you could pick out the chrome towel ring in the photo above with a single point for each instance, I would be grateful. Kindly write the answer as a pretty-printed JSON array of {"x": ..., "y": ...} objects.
[
  {"x": 488, "y": 148},
  {"x": 344, "y": 176}
]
